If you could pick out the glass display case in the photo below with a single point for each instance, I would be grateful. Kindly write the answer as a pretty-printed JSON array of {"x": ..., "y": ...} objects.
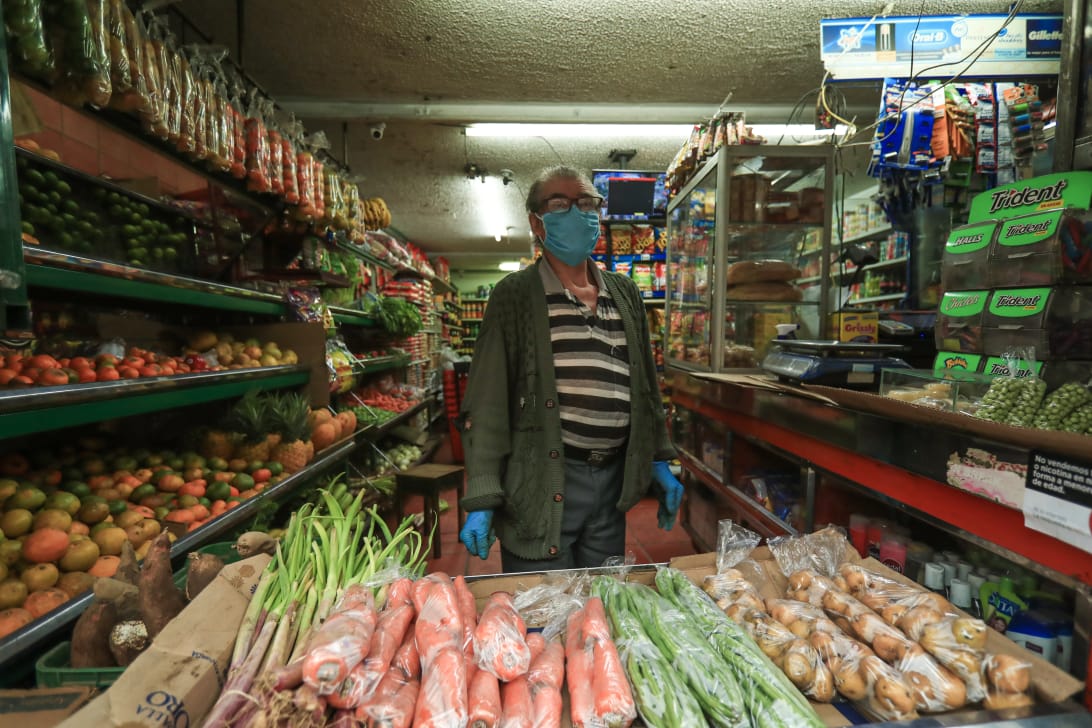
[{"x": 737, "y": 233}]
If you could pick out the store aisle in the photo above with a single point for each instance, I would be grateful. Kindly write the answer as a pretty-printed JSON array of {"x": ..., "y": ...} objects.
[{"x": 644, "y": 540}]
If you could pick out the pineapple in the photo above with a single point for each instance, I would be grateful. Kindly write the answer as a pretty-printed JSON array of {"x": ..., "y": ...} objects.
[
  {"x": 289, "y": 418},
  {"x": 218, "y": 444},
  {"x": 251, "y": 417}
]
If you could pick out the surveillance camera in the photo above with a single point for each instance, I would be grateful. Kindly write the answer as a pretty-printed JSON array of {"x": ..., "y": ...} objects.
[
  {"x": 376, "y": 130},
  {"x": 507, "y": 176}
]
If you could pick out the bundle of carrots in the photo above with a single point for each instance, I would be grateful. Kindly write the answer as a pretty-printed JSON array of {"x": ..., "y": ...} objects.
[{"x": 599, "y": 694}]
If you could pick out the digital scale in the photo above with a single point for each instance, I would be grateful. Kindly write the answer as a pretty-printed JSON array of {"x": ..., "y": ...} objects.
[{"x": 831, "y": 363}]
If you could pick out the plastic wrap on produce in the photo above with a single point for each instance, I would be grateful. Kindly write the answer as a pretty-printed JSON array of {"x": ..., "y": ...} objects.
[
  {"x": 734, "y": 543},
  {"x": 821, "y": 551},
  {"x": 547, "y": 606},
  {"x": 500, "y": 643}
]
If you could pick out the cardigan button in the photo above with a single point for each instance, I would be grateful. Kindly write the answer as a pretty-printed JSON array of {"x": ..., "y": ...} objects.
[
  {"x": 558, "y": 498},
  {"x": 549, "y": 404},
  {"x": 553, "y": 551},
  {"x": 554, "y": 454}
]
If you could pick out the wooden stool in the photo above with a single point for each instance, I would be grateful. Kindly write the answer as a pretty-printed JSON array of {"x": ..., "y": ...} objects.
[{"x": 427, "y": 481}]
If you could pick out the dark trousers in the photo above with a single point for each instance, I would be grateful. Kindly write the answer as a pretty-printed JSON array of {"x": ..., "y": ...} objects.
[{"x": 592, "y": 527}]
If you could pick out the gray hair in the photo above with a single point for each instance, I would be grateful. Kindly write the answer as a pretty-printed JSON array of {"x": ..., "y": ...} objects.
[{"x": 548, "y": 174}]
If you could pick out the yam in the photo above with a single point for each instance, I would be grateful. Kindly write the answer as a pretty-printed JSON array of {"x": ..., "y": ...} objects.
[
  {"x": 252, "y": 543},
  {"x": 127, "y": 640},
  {"x": 160, "y": 599},
  {"x": 203, "y": 568},
  {"x": 125, "y": 597},
  {"x": 91, "y": 636},
  {"x": 128, "y": 568}
]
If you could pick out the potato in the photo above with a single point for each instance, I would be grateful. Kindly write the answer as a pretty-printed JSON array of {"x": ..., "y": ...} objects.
[
  {"x": 91, "y": 636},
  {"x": 850, "y": 681},
  {"x": 203, "y": 569},
  {"x": 822, "y": 687},
  {"x": 1008, "y": 674},
  {"x": 1001, "y": 701},
  {"x": 801, "y": 628}
]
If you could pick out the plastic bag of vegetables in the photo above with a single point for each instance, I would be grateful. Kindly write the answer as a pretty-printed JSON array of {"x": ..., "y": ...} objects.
[
  {"x": 27, "y": 41},
  {"x": 734, "y": 543},
  {"x": 257, "y": 145},
  {"x": 822, "y": 551},
  {"x": 80, "y": 31}
]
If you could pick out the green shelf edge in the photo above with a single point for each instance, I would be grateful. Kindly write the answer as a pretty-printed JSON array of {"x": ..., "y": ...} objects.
[
  {"x": 45, "y": 419},
  {"x": 88, "y": 282},
  {"x": 345, "y": 316}
]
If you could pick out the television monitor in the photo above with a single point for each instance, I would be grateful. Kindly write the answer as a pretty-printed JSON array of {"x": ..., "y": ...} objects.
[{"x": 631, "y": 194}]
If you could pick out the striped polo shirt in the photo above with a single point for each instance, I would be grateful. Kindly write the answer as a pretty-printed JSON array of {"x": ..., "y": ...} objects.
[{"x": 591, "y": 367}]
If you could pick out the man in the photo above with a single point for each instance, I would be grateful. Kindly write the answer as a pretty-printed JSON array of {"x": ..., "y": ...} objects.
[{"x": 563, "y": 423}]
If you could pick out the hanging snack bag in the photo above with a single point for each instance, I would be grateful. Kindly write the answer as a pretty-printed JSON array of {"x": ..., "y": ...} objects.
[
  {"x": 187, "y": 101},
  {"x": 27, "y": 41},
  {"x": 276, "y": 161},
  {"x": 257, "y": 147},
  {"x": 84, "y": 61},
  {"x": 138, "y": 98},
  {"x": 152, "y": 114},
  {"x": 196, "y": 122},
  {"x": 121, "y": 73},
  {"x": 288, "y": 167},
  {"x": 172, "y": 83}
]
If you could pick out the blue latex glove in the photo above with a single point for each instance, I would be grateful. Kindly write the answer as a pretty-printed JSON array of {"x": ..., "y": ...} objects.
[
  {"x": 477, "y": 533},
  {"x": 671, "y": 492}
]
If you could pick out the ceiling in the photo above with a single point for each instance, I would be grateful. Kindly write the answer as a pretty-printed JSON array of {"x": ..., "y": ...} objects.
[{"x": 429, "y": 67}]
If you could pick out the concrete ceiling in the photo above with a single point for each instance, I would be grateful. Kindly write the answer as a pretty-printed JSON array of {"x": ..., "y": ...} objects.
[{"x": 428, "y": 67}]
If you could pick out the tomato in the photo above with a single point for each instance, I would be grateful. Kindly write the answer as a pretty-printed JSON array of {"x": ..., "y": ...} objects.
[
  {"x": 107, "y": 374},
  {"x": 32, "y": 373},
  {"x": 21, "y": 381},
  {"x": 106, "y": 360},
  {"x": 134, "y": 361},
  {"x": 80, "y": 362},
  {"x": 150, "y": 370},
  {"x": 6, "y": 375},
  {"x": 73, "y": 376},
  {"x": 43, "y": 361},
  {"x": 128, "y": 372},
  {"x": 52, "y": 377},
  {"x": 87, "y": 374}
]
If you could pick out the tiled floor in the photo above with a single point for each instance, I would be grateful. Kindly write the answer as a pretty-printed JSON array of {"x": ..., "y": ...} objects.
[{"x": 644, "y": 539}]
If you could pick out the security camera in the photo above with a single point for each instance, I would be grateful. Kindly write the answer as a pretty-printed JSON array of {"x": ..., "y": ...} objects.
[
  {"x": 376, "y": 130},
  {"x": 507, "y": 176}
]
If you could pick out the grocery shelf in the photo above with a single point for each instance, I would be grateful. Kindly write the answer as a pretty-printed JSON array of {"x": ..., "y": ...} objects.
[
  {"x": 901, "y": 260},
  {"x": 641, "y": 257},
  {"x": 441, "y": 285},
  {"x": 808, "y": 279},
  {"x": 868, "y": 234},
  {"x": 66, "y": 272},
  {"x": 365, "y": 256},
  {"x": 40, "y": 409},
  {"x": 661, "y": 294},
  {"x": 380, "y": 430},
  {"x": 380, "y": 364},
  {"x": 471, "y": 319},
  {"x": 471, "y": 299},
  {"x": 23, "y": 647},
  {"x": 775, "y": 525},
  {"x": 878, "y": 299}
]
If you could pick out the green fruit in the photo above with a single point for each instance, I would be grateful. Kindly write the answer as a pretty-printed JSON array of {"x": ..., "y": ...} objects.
[
  {"x": 218, "y": 491},
  {"x": 274, "y": 468},
  {"x": 176, "y": 463},
  {"x": 117, "y": 507},
  {"x": 64, "y": 188},
  {"x": 217, "y": 464},
  {"x": 71, "y": 207},
  {"x": 35, "y": 178},
  {"x": 52, "y": 178},
  {"x": 77, "y": 488},
  {"x": 141, "y": 492},
  {"x": 254, "y": 465},
  {"x": 63, "y": 501},
  {"x": 204, "y": 501},
  {"x": 242, "y": 481},
  {"x": 28, "y": 228},
  {"x": 161, "y": 512},
  {"x": 27, "y": 497}
]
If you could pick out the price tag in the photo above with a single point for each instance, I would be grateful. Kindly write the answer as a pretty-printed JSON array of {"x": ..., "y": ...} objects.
[{"x": 1058, "y": 499}]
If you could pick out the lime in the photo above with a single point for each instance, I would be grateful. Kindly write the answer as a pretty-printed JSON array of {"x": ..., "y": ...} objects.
[{"x": 28, "y": 228}]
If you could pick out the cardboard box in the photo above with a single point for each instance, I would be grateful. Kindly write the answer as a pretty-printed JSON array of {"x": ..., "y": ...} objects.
[
  {"x": 856, "y": 326},
  {"x": 179, "y": 677},
  {"x": 43, "y": 707}
]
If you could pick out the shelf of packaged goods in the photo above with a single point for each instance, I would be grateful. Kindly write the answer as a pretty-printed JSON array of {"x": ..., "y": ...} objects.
[
  {"x": 21, "y": 648},
  {"x": 40, "y": 409},
  {"x": 879, "y": 299},
  {"x": 654, "y": 295},
  {"x": 473, "y": 299},
  {"x": 807, "y": 280},
  {"x": 774, "y": 526},
  {"x": 740, "y": 304},
  {"x": 892, "y": 262},
  {"x": 470, "y": 338},
  {"x": 352, "y": 317},
  {"x": 868, "y": 235},
  {"x": 432, "y": 330},
  {"x": 47, "y": 269},
  {"x": 418, "y": 362},
  {"x": 442, "y": 286},
  {"x": 812, "y": 251},
  {"x": 366, "y": 256},
  {"x": 471, "y": 319},
  {"x": 320, "y": 278},
  {"x": 890, "y": 458},
  {"x": 642, "y": 257}
]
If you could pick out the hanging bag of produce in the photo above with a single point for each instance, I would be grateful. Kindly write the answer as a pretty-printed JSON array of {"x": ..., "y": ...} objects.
[
  {"x": 221, "y": 125},
  {"x": 136, "y": 99},
  {"x": 84, "y": 62},
  {"x": 276, "y": 161},
  {"x": 198, "y": 130},
  {"x": 305, "y": 172},
  {"x": 188, "y": 102},
  {"x": 27, "y": 41},
  {"x": 238, "y": 126},
  {"x": 153, "y": 114},
  {"x": 121, "y": 65},
  {"x": 288, "y": 166},
  {"x": 320, "y": 146}
]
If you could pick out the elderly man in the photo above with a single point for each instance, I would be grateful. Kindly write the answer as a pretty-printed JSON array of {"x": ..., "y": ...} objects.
[{"x": 563, "y": 424}]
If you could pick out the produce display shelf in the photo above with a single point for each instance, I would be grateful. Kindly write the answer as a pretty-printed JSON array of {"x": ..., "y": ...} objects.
[
  {"x": 878, "y": 299},
  {"x": 835, "y": 439},
  {"x": 381, "y": 364},
  {"x": 366, "y": 257},
  {"x": 320, "y": 278},
  {"x": 868, "y": 234},
  {"x": 379, "y": 430},
  {"x": 20, "y": 649},
  {"x": 40, "y": 409},
  {"x": 66, "y": 272},
  {"x": 352, "y": 317}
]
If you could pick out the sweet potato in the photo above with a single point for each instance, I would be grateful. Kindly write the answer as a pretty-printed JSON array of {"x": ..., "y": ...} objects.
[
  {"x": 125, "y": 597},
  {"x": 160, "y": 599},
  {"x": 91, "y": 636},
  {"x": 128, "y": 568},
  {"x": 203, "y": 569}
]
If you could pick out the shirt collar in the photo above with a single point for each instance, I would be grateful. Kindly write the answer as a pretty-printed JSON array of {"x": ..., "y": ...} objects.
[{"x": 552, "y": 283}]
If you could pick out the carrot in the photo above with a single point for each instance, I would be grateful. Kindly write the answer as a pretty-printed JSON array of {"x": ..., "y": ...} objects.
[
  {"x": 439, "y": 625},
  {"x": 518, "y": 709},
  {"x": 484, "y": 701},
  {"x": 545, "y": 677},
  {"x": 500, "y": 644},
  {"x": 578, "y": 672},
  {"x": 614, "y": 702},
  {"x": 442, "y": 701},
  {"x": 390, "y": 630},
  {"x": 406, "y": 660},
  {"x": 396, "y": 711},
  {"x": 340, "y": 644},
  {"x": 351, "y": 692},
  {"x": 468, "y": 609}
]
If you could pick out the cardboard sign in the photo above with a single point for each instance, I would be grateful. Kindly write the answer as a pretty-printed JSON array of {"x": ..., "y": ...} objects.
[
  {"x": 176, "y": 681},
  {"x": 1058, "y": 499}
]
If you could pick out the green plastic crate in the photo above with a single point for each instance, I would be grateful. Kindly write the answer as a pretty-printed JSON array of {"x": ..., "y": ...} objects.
[{"x": 53, "y": 671}]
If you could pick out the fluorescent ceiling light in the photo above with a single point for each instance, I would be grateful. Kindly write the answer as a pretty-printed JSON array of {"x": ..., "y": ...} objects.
[
  {"x": 585, "y": 131},
  {"x": 774, "y": 131},
  {"x": 509, "y": 266}
]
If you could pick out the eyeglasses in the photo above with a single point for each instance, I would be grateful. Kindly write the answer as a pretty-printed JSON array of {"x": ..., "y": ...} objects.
[{"x": 586, "y": 203}]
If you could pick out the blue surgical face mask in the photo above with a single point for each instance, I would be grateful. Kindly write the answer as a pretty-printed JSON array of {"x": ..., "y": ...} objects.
[{"x": 572, "y": 235}]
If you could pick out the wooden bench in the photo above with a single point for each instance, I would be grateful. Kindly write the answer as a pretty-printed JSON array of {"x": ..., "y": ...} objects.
[{"x": 427, "y": 481}]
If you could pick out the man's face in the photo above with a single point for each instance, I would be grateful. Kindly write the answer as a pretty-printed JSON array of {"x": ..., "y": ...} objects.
[{"x": 557, "y": 187}]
